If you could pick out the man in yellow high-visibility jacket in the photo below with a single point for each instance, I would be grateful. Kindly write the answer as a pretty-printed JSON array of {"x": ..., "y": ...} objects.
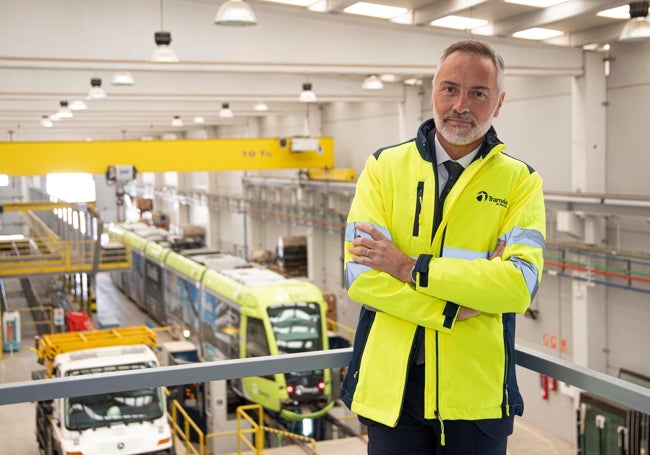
[{"x": 440, "y": 282}]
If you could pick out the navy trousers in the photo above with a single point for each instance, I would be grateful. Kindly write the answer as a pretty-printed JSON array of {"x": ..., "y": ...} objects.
[{"x": 415, "y": 435}]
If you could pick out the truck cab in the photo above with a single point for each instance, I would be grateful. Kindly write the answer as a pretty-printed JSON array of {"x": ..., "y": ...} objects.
[{"x": 126, "y": 423}]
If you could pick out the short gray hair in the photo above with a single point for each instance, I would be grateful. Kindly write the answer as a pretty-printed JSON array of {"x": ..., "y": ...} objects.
[{"x": 480, "y": 48}]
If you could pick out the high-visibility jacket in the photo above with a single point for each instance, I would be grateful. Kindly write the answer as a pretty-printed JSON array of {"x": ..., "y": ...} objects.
[{"x": 469, "y": 364}]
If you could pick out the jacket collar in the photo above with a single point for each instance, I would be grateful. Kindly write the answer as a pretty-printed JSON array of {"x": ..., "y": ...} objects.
[{"x": 425, "y": 141}]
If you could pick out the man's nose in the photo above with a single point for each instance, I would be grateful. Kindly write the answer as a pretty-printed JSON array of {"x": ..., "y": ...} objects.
[{"x": 461, "y": 103}]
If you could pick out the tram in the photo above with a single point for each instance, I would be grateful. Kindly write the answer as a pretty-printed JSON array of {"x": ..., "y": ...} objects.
[{"x": 232, "y": 309}]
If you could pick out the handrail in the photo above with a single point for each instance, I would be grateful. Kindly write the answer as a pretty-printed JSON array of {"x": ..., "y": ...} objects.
[
  {"x": 62, "y": 256},
  {"x": 258, "y": 429},
  {"x": 609, "y": 387},
  {"x": 184, "y": 434}
]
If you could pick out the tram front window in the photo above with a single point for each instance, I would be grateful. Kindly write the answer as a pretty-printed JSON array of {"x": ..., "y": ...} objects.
[{"x": 297, "y": 327}]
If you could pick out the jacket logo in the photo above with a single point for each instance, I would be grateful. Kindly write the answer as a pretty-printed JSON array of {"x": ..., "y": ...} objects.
[{"x": 483, "y": 196}]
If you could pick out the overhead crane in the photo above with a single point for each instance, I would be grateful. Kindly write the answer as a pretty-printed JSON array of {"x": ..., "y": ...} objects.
[
  {"x": 98, "y": 157},
  {"x": 40, "y": 158}
]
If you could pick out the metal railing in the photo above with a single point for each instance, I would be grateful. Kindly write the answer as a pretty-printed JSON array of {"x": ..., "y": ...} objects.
[
  {"x": 60, "y": 256},
  {"x": 258, "y": 429},
  {"x": 609, "y": 387}
]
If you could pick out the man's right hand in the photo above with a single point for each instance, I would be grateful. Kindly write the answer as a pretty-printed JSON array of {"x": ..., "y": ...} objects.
[{"x": 465, "y": 312}]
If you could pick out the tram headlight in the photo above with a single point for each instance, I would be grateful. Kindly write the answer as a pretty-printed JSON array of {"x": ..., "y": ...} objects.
[{"x": 290, "y": 389}]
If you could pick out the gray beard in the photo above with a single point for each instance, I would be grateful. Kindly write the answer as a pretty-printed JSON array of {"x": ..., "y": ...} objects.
[{"x": 456, "y": 136}]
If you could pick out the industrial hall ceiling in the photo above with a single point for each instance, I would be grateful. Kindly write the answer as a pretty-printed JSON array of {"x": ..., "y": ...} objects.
[{"x": 94, "y": 57}]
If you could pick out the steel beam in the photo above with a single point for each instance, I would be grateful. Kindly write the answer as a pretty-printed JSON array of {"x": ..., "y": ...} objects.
[{"x": 39, "y": 158}]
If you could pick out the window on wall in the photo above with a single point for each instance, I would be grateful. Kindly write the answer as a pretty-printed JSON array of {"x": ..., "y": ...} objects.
[
  {"x": 4, "y": 180},
  {"x": 71, "y": 187}
]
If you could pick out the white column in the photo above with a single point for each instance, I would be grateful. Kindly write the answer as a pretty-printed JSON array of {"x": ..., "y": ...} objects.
[
  {"x": 410, "y": 112},
  {"x": 588, "y": 120},
  {"x": 314, "y": 121},
  {"x": 589, "y": 95},
  {"x": 589, "y": 325}
]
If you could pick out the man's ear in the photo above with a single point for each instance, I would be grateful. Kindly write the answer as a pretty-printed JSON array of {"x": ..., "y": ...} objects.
[{"x": 499, "y": 103}]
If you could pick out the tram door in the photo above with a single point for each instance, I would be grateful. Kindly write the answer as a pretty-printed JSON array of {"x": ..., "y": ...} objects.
[{"x": 190, "y": 396}]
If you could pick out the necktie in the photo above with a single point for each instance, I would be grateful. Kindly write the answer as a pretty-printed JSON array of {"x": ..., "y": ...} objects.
[{"x": 454, "y": 169}]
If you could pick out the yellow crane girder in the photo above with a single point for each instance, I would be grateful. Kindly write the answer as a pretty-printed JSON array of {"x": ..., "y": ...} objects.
[{"x": 39, "y": 158}]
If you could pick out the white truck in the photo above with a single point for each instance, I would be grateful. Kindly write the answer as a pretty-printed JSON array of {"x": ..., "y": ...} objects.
[{"x": 124, "y": 423}]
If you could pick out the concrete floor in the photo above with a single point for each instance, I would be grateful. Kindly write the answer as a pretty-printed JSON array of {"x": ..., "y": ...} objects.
[{"x": 17, "y": 421}]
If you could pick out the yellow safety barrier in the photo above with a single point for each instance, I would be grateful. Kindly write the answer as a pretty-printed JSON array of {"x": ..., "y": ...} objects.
[
  {"x": 53, "y": 255},
  {"x": 258, "y": 429},
  {"x": 336, "y": 326},
  {"x": 188, "y": 428},
  {"x": 7, "y": 206},
  {"x": 184, "y": 432}
]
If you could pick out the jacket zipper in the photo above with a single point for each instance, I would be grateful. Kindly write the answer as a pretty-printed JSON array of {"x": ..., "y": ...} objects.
[
  {"x": 437, "y": 218},
  {"x": 418, "y": 209},
  {"x": 505, "y": 383},
  {"x": 437, "y": 411}
]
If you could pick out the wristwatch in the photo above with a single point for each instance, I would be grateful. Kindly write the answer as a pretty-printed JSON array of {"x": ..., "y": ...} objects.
[{"x": 414, "y": 275}]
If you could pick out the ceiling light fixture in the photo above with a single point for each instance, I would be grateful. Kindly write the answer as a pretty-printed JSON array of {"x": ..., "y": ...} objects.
[
  {"x": 459, "y": 22},
  {"x": 46, "y": 122},
  {"x": 537, "y": 34},
  {"x": 536, "y": 3},
  {"x": 319, "y": 6},
  {"x": 235, "y": 13},
  {"x": 414, "y": 81},
  {"x": 620, "y": 12},
  {"x": 64, "y": 111},
  {"x": 638, "y": 27},
  {"x": 307, "y": 95},
  {"x": 122, "y": 78},
  {"x": 389, "y": 77},
  {"x": 375, "y": 10},
  {"x": 261, "y": 107},
  {"x": 96, "y": 91},
  {"x": 372, "y": 82},
  {"x": 177, "y": 122},
  {"x": 78, "y": 105},
  {"x": 199, "y": 119},
  {"x": 163, "y": 53},
  {"x": 225, "y": 111}
]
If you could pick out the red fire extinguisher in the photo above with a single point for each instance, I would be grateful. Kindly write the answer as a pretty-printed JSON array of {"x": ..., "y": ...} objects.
[{"x": 543, "y": 382}]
